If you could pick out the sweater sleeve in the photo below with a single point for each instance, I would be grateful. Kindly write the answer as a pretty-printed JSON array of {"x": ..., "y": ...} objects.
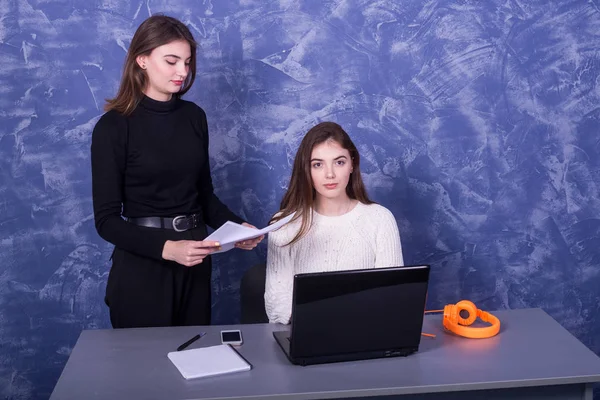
[
  {"x": 215, "y": 212},
  {"x": 279, "y": 281},
  {"x": 388, "y": 252},
  {"x": 108, "y": 158}
]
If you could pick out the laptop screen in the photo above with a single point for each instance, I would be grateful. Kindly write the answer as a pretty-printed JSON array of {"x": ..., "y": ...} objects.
[{"x": 358, "y": 310}]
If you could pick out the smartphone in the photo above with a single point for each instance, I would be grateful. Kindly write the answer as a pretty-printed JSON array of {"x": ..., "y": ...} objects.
[{"x": 232, "y": 337}]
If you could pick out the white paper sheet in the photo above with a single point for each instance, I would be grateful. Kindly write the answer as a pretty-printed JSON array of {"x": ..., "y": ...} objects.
[
  {"x": 208, "y": 361},
  {"x": 230, "y": 233}
]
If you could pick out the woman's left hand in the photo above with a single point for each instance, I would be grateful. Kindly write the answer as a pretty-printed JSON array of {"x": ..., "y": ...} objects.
[{"x": 249, "y": 244}]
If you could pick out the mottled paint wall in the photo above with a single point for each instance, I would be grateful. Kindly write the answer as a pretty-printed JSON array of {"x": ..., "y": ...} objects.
[{"x": 477, "y": 122}]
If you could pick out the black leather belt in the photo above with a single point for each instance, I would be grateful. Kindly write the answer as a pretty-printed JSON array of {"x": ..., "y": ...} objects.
[{"x": 179, "y": 223}]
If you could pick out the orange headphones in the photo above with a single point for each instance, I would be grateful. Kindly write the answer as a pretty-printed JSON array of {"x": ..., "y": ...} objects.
[
  {"x": 455, "y": 323},
  {"x": 460, "y": 326}
]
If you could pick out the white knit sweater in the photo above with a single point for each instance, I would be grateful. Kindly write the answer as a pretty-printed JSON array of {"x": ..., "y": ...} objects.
[{"x": 365, "y": 237}]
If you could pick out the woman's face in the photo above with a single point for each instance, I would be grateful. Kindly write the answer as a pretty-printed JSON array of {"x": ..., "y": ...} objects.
[
  {"x": 167, "y": 67},
  {"x": 330, "y": 169}
]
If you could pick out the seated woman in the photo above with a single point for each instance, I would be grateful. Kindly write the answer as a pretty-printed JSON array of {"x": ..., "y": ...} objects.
[{"x": 336, "y": 226}]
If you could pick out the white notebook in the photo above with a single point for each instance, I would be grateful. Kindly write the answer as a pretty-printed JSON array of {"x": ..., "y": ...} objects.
[{"x": 208, "y": 361}]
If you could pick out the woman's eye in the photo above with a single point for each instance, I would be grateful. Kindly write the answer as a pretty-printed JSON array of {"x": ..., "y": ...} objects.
[
  {"x": 316, "y": 165},
  {"x": 170, "y": 63},
  {"x": 341, "y": 162}
]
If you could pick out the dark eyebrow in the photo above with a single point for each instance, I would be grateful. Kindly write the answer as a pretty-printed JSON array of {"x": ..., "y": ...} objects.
[
  {"x": 337, "y": 158},
  {"x": 175, "y": 56}
]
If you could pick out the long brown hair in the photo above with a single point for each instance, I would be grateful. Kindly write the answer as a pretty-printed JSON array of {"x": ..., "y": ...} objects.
[
  {"x": 155, "y": 31},
  {"x": 300, "y": 196}
]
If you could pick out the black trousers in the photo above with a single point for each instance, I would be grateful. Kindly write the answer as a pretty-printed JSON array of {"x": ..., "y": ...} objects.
[{"x": 144, "y": 292}]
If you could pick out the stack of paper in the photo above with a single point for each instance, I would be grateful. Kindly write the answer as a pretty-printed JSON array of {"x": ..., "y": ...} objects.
[
  {"x": 208, "y": 361},
  {"x": 230, "y": 233}
]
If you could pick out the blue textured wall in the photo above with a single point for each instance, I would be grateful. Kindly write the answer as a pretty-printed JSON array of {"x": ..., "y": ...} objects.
[{"x": 477, "y": 122}]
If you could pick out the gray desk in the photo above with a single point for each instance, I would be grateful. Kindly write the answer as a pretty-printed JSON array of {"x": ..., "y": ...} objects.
[{"x": 533, "y": 357}]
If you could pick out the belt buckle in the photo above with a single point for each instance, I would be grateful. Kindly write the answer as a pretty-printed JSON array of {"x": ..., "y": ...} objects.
[{"x": 174, "y": 223}]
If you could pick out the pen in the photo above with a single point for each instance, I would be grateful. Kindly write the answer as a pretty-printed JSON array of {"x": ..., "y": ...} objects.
[
  {"x": 192, "y": 340},
  {"x": 241, "y": 356}
]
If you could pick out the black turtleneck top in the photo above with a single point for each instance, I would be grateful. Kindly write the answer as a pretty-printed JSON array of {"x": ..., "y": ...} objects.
[{"x": 153, "y": 162}]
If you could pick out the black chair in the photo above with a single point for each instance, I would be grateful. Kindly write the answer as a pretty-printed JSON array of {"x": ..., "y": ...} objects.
[{"x": 252, "y": 295}]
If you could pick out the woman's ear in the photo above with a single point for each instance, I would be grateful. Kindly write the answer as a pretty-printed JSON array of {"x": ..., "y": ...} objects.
[{"x": 141, "y": 60}]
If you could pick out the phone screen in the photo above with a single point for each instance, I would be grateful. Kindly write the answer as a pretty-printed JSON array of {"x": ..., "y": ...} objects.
[{"x": 231, "y": 336}]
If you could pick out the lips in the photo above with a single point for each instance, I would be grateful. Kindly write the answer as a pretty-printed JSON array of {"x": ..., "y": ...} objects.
[
  {"x": 331, "y": 186},
  {"x": 178, "y": 83}
]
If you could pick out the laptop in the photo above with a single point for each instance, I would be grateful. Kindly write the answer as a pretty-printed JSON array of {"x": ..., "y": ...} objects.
[{"x": 355, "y": 315}]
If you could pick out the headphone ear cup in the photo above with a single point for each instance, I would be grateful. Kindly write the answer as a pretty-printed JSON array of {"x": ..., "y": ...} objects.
[
  {"x": 449, "y": 319},
  {"x": 468, "y": 306}
]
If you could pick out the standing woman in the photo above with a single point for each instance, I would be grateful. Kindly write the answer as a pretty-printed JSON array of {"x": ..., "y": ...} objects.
[{"x": 150, "y": 165}]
